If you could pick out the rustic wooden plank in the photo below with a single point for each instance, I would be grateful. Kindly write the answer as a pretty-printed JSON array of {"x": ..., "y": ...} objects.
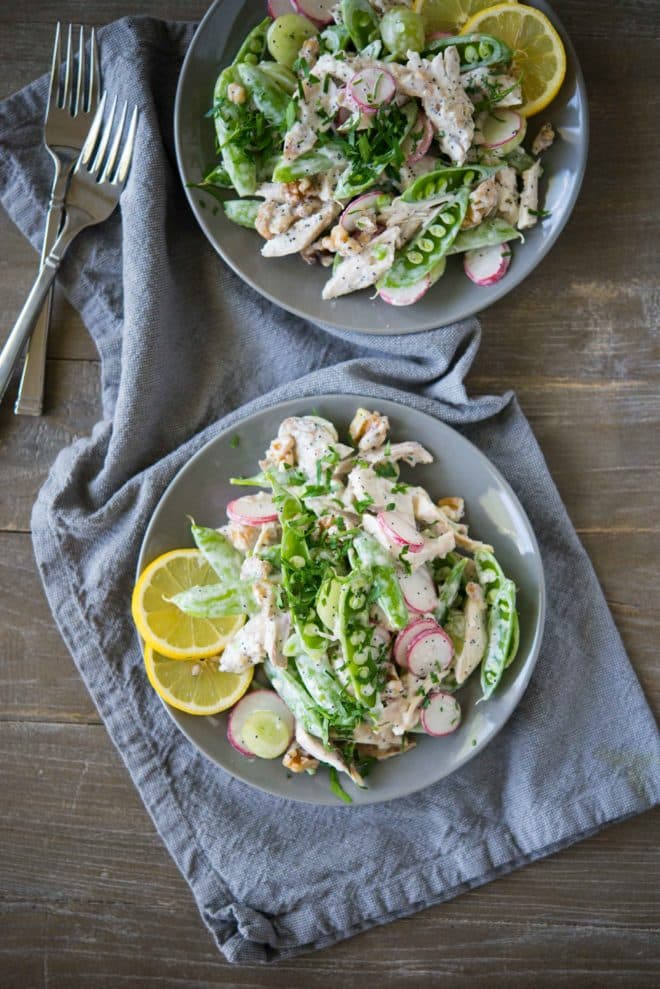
[{"x": 110, "y": 902}]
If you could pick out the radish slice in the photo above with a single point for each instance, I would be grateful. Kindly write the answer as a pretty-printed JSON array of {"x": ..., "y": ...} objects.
[
  {"x": 257, "y": 509},
  {"x": 372, "y": 88},
  {"x": 368, "y": 203},
  {"x": 417, "y": 151},
  {"x": 436, "y": 35},
  {"x": 487, "y": 265},
  {"x": 400, "y": 531},
  {"x": 276, "y": 8},
  {"x": 442, "y": 714},
  {"x": 504, "y": 129},
  {"x": 261, "y": 724},
  {"x": 319, "y": 11},
  {"x": 408, "y": 635},
  {"x": 406, "y": 295},
  {"x": 419, "y": 591},
  {"x": 429, "y": 650}
]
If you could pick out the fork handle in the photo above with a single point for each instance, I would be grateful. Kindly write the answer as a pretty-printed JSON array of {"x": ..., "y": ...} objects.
[
  {"x": 29, "y": 400},
  {"x": 13, "y": 348}
]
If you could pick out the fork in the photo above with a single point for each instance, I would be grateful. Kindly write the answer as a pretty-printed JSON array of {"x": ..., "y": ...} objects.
[
  {"x": 68, "y": 117},
  {"x": 98, "y": 179}
]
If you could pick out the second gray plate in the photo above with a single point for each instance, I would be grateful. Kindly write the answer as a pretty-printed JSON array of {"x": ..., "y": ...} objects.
[
  {"x": 202, "y": 490},
  {"x": 297, "y": 287}
]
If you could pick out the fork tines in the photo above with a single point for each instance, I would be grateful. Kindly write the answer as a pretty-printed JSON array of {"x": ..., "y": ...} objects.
[
  {"x": 95, "y": 148},
  {"x": 79, "y": 92}
]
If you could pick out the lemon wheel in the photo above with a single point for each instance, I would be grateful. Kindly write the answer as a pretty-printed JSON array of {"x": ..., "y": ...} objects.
[
  {"x": 165, "y": 627},
  {"x": 195, "y": 686},
  {"x": 539, "y": 58},
  {"x": 448, "y": 15}
]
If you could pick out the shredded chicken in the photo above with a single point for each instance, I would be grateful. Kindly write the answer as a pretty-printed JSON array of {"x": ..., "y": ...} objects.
[
  {"x": 476, "y": 635},
  {"x": 298, "y": 761},
  {"x": 302, "y": 233},
  {"x": 410, "y": 452},
  {"x": 508, "y": 202},
  {"x": 543, "y": 140},
  {"x": 360, "y": 270},
  {"x": 482, "y": 83},
  {"x": 330, "y": 755},
  {"x": 483, "y": 202},
  {"x": 529, "y": 197}
]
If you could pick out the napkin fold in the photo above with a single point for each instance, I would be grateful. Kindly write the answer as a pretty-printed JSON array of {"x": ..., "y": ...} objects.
[{"x": 186, "y": 351}]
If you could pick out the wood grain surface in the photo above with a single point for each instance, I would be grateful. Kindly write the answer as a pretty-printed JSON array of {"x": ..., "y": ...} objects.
[{"x": 88, "y": 895}]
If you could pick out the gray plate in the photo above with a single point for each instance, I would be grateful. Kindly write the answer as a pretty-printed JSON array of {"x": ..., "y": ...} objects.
[
  {"x": 289, "y": 281},
  {"x": 202, "y": 490}
]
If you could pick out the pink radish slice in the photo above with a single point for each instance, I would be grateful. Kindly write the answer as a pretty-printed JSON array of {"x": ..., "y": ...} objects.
[
  {"x": 319, "y": 11},
  {"x": 407, "y": 294},
  {"x": 419, "y": 591},
  {"x": 276, "y": 8},
  {"x": 255, "y": 509},
  {"x": 486, "y": 265},
  {"x": 436, "y": 35},
  {"x": 357, "y": 208},
  {"x": 372, "y": 88},
  {"x": 252, "y": 703},
  {"x": 409, "y": 634},
  {"x": 400, "y": 531},
  {"x": 429, "y": 650},
  {"x": 423, "y": 143},
  {"x": 442, "y": 714},
  {"x": 503, "y": 129}
]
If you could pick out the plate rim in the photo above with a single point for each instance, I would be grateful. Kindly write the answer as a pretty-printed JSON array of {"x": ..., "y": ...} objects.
[
  {"x": 179, "y": 718},
  {"x": 504, "y": 287}
]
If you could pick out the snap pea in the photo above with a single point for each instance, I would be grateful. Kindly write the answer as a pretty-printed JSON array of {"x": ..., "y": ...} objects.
[
  {"x": 298, "y": 578},
  {"x": 310, "y": 163},
  {"x": 323, "y": 687},
  {"x": 216, "y": 601},
  {"x": 361, "y": 176},
  {"x": 280, "y": 74},
  {"x": 387, "y": 588},
  {"x": 372, "y": 50},
  {"x": 267, "y": 95},
  {"x": 429, "y": 246},
  {"x": 445, "y": 181},
  {"x": 242, "y": 211},
  {"x": 254, "y": 46},
  {"x": 361, "y": 22},
  {"x": 474, "y": 50},
  {"x": 493, "y": 230},
  {"x": 334, "y": 38},
  {"x": 355, "y": 635},
  {"x": 218, "y": 553},
  {"x": 489, "y": 573},
  {"x": 449, "y": 590},
  {"x": 500, "y": 633},
  {"x": 298, "y": 700},
  {"x": 237, "y": 163},
  {"x": 519, "y": 159},
  {"x": 515, "y": 641},
  {"x": 217, "y": 177}
]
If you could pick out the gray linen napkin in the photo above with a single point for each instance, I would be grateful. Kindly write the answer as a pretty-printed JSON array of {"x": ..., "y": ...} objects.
[{"x": 187, "y": 350}]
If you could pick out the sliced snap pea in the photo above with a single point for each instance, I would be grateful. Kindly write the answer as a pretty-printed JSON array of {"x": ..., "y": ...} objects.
[
  {"x": 334, "y": 38},
  {"x": 449, "y": 590},
  {"x": 356, "y": 635},
  {"x": 361, "y": 22},
  {"x": 218, "y": 553},
  {"x": 388, "y": 590},
  {"x": 237, "y": 163},
  {"x": 298, "y": 700},
  {"x": 311, "y": 163},
  {"x": 429, "y": 246},
  {"x": 298, "y": 582},
  {"x": 216, "y": 601},
  {"x": 322, "y": 685},
  {"x": 474, "y": 50},
  {"x": 280, "y": 74},
  {"x": 489, "y": 573},
  {"x": 267, "y": 95},
  {"x": 491, "y": 231},
  {"x": 242, "y": 211},
  {"x": 501, "y": 619},
  {"x": 515, "y": 641},
  {"x": 445, "y": 181},
  {"x": 254, "y": 46}
]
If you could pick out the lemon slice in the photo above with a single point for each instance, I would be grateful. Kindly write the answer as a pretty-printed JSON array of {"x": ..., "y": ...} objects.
[
  {"x": 165, "y": 627},
  {"x": 538, "y": 53},
  {"x": 448, "y": 15},
  {"x": 195, "y": 686}
]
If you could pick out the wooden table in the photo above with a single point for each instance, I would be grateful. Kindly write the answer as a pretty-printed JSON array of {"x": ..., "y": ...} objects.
[{"x": 88, "y": 894}]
